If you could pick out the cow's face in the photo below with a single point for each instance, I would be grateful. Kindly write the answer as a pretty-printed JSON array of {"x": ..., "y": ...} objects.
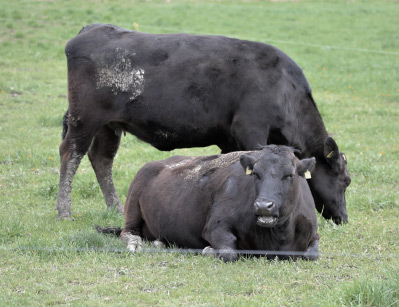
[
  {"x": 329, "y": 182},
  {"x": 275, "y": 172}
]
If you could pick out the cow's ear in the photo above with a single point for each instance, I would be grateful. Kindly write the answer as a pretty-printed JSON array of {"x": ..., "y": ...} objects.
[
  {"x": 247, "y": 162},
  {"x": 331, "y": 153},
  {"x": 306, "y": 165}
]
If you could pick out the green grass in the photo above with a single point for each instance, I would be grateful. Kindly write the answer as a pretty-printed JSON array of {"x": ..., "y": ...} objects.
[
  {"x": 349, "y": 51},
  {"x": 373, "y": 292}
]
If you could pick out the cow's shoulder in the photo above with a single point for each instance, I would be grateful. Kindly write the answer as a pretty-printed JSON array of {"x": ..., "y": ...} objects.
[
  {"x": 93, "y": 38},
  {"x": 196, "y": 168}
]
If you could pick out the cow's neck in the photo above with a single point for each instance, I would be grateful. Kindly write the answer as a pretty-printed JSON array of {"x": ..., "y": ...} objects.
[
  {"x": 306, "y": 130},
  {"x": 283, "y": 235}
]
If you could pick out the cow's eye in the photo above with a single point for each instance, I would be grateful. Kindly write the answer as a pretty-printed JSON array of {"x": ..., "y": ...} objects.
[
  {"x": 289, "y": 176},
  {"x": 256, "y": 175}
]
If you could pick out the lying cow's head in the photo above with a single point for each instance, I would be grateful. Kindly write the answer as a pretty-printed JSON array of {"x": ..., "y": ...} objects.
[
  {"x": 329, "y": 182},
  {"x": 275, "y": 170}
]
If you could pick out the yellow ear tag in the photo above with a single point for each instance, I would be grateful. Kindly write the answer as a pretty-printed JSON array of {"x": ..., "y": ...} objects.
[
  {"x": 330, "y": 154},
  {"x": 248, "y": 171},
  {"x": 308, "y": 175}
]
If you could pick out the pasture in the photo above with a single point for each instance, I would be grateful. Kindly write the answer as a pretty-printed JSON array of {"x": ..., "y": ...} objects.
[{"x": 349, "y": 51}]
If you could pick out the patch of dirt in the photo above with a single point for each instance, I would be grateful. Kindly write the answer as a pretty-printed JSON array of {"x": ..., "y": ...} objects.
[{"x": 15, "y": 93}]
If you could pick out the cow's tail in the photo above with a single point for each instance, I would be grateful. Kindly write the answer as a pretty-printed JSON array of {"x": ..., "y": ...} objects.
[
  {"x": 116, "y": 231},
  {"x": 65, "y": 124}
]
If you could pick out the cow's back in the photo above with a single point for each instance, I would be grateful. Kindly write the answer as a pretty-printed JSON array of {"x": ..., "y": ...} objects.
[
  {"x": 241, "y": 58},
  {"x": 141, "y": 81}
]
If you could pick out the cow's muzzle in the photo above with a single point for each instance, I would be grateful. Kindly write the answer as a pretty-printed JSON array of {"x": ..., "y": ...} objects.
[
  {"x": 340, "y": 219},
  {"x": 267, "y": 213}
]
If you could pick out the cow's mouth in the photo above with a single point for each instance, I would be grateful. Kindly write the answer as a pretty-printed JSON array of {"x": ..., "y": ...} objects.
[{"x": 266, "y": 221}]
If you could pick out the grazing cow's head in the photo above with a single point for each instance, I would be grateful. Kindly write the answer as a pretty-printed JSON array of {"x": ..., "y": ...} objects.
[
  {"x": 275, "y": 170},
  {"x": 329, "y": 182}
]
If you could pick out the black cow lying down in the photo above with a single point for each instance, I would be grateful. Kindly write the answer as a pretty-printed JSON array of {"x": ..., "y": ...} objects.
[
  {"x": 181, "y": 90},
  {"x": 211, "y": 203}
]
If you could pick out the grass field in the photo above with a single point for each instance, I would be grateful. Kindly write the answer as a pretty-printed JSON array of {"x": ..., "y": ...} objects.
[{"x": 349, "y": 51}]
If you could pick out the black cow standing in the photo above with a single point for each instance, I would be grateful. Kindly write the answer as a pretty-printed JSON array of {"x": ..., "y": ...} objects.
[
  {"x": 180, "y": 90},
  {"x": 211, "y": 203}
]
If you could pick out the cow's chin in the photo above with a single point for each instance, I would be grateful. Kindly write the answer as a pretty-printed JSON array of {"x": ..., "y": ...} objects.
[{"x": 266, "y": 221}]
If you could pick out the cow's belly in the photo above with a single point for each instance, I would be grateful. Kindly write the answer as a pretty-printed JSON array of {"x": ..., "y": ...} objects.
[
  {"x": 167, "y": 119},
  {"x": 182, "y": 233},
  {"x": 174, "y": 213},
  {"x": 169, "y": 137}
]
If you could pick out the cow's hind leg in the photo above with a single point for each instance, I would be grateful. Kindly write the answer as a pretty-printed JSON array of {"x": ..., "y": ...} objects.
[
  {"x": 72, "y": 151},
  {"x": 101, "y": 155},
  {"x": 133, "y": 229}
]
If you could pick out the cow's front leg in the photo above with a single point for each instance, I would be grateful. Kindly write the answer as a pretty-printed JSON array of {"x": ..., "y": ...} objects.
[
  {"x": 223, "y": 243},
  {"x": 312, "y": 253},
  {"x": 226, "y": 254}
]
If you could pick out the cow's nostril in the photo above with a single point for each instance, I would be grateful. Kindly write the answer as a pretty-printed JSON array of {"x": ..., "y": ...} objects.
[{"x": 269, "y": 205}]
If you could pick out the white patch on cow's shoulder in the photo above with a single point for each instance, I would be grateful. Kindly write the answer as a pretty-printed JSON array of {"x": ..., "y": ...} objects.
[
  {"x": 193, "y": 172},
  {"x": 193, "y": 168},
  {"x": 222, "y": 161},
  {"x": 120, "y": 74},
  {"x": 180, "y": 163}
]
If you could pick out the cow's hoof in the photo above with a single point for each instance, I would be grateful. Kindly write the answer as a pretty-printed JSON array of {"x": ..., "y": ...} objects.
[
  {"x": 133, "y": 248},
  {"x": 158, "y": 244},
  {"x": 210, "y": 252},
  {"x": 228, "y": 255},
  {"x": 312, "y": 256},
  {"x": 133, "y": 242},
  {"x": 64, "y": 217},
  {"x": 312, "y": 253}
]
